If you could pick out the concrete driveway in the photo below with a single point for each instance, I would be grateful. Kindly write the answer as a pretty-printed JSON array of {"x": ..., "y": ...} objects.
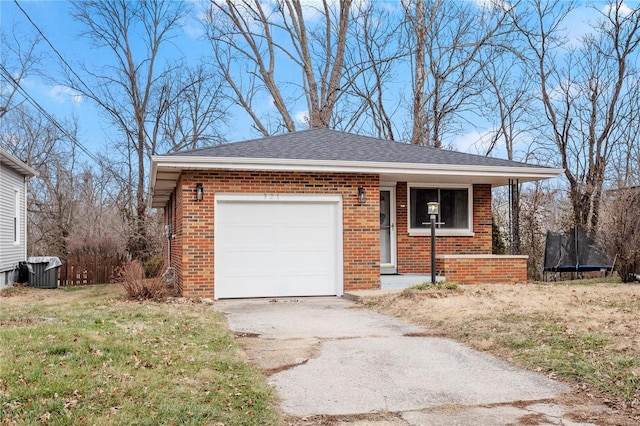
[{"x": 325, "y": 356}]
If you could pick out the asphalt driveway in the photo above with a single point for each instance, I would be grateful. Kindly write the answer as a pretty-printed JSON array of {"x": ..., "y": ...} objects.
[{"x": 326, "y": 356}]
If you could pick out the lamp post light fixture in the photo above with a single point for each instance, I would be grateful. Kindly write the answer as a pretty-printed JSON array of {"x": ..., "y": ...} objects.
[
  {"x": 362, "y": 195},
  {"x": 433, "y": 209}
]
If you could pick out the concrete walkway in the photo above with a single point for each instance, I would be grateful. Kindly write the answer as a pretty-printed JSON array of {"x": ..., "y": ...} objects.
[{"x": 324, "y": 356}]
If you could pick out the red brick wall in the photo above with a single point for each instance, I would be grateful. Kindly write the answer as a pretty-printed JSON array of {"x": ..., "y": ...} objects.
[
  {"x": 478, "y": 269},
  {"x": 414, "y": 251},
  {"x": 193, "y": 246}
]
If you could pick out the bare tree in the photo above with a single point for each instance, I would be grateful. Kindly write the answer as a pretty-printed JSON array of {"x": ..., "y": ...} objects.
[
  {"x": 51, "y": 210},
  {"x": 585, "y": 93},
  {"x": 129, "y": 88},
  {"x": 374, "y": 47},
  {"x": 508, "y": 103},
  {"x": 249, "y": 37},
  {"x": 53, "y": 206},
  {"x": 445, "y": 41},
  {"x": 539, "y": 213},
  {"x": 620, "y": 231},
  {"x": 193, "y": 110},
  {"x": 18, "y": 58}
]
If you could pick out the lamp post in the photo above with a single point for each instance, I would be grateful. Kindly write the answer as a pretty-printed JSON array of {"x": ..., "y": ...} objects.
[{"x": 433, "y": 209}]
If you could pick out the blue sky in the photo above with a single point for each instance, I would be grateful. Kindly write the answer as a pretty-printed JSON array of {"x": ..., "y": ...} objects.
[
  {"x": 55, "y": 21},
  {"x": 53, "y": 18}
]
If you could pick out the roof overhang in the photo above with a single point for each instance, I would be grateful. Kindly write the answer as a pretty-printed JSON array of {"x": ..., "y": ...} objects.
[
  {"x": 165, "y": 171},
  {"x": 8, "y": 160}
]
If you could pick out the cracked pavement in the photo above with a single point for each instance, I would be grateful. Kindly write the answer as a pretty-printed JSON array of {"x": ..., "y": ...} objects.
[{"x": 329, "y": 360}]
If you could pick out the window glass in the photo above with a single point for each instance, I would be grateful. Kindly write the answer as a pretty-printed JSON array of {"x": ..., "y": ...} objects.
[
  {"x": 454, "y": 207},
  {"x": 16, "y": 217},
  {"x": 419, "y": 199}
]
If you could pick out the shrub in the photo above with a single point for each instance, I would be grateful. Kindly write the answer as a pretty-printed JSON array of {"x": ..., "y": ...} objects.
[
  {"x": 154, "y": 267},
  {"x": 439, "y": 285},
  {"x": 138, "y": 287},
  {"x": 620, "y": 231},
  {"x": 497, "y": 242}
]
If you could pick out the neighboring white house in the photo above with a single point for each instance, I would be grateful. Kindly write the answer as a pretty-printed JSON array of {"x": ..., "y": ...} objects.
[{"x": 14, "y": 175}]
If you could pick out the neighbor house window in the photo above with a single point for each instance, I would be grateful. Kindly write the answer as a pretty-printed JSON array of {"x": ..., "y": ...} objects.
[
  {"x": 455, "y": 209},
  {"x": 16, "y": 217}
]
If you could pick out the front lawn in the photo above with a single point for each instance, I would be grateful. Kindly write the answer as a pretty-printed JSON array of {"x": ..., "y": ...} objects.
[{"x": 83, "y": 355}]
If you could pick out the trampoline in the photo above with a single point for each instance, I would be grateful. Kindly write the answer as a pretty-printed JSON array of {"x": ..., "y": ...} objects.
[{"x": 574, "y": 251}]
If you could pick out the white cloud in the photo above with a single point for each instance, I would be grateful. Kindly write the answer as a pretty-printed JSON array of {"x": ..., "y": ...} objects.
[
  {"x": 473, "y": 142},
  {"x": 62, "y": 94},
  {"x": 623, "y": 10},
  {"x": 492, "y": 4},
  {"x": 302, "y": 117},
  {"x": 192, "y": 29},
  {"x": 192, "y": 25}
]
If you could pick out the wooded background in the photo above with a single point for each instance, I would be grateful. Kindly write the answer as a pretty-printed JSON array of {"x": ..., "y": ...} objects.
[{"x": 537, "y": 83}]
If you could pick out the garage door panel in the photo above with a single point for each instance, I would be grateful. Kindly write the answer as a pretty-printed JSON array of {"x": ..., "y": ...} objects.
[
  {"x": 309, "y": 287},
  {"x": 304, "y": 214},
  {"x": 312, "y": 261},
  {"x": 261, "y": 236},
  {"x": 235, "y": 262},
  {"x": 271, "y": 249},
  {"x": 242, "y": 288},
  {"x": 308, "y": 238},
  {"x": 248, "y": 214}
]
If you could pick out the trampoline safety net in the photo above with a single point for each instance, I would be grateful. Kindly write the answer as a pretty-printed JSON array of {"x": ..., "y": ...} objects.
[{"x": 575, "y": 251}]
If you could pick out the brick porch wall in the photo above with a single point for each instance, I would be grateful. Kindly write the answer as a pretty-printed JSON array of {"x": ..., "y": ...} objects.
[
  {"x": 193, "y": 247},
  {"x": 478, "y": 269},
  {"x": 414, "y": 252}
]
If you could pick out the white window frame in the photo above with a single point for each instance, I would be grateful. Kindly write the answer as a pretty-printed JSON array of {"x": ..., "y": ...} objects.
[
  {"x": 466, "y": 232},
  {"x": 16, "y": 217}
]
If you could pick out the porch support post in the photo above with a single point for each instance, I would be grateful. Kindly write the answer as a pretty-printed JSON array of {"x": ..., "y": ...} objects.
[{"x": 514, "y": 216}]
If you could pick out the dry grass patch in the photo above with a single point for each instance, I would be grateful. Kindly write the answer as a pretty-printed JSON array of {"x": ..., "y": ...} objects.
[{"x": 588, "y": 334}]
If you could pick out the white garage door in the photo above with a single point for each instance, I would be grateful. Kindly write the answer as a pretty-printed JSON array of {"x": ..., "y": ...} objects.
[{"x": 277, "y": 245}]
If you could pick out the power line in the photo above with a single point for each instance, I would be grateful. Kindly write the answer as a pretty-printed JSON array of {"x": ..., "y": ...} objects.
[
  {"x": 8, "y": 77},
  {"x": 33, "y": 102},
  {"x": 64, "y": 61}
]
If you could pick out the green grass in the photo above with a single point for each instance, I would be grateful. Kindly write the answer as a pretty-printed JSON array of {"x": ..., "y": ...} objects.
[
  {"x": 439, "y": 285},
  {"x": 100, "y": 360},
  {"x": 550, "y": 347}
]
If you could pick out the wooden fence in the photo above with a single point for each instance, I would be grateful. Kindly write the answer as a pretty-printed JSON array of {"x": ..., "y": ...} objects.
[{"x": 89, "y": 269}]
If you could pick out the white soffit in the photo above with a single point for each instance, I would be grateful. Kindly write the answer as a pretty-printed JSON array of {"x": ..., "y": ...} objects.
[{"x": 166, "y": 170}]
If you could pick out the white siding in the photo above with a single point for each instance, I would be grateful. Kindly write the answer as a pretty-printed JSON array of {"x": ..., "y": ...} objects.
[{"x": 10, "y": 252}]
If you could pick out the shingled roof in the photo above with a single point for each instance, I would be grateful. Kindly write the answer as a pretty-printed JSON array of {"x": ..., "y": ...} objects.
[
  {"x": 331, "y": 151},
  {"x": 332, "y": 145}
]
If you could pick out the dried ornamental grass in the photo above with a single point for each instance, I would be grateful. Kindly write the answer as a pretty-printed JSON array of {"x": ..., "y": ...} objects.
[{"x": 138, "y": 287}]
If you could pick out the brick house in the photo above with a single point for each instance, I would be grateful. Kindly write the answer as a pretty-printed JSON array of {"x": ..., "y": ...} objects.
[{"x": 320, "y": 212}]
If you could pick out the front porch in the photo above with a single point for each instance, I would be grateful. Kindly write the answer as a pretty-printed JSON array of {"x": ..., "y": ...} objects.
[
  {"x": 465, "y": 269},
  {"x": 402, "y": 281}
]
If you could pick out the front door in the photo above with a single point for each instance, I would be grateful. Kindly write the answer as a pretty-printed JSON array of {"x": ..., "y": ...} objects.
[{"x": 387, "y": 230}]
